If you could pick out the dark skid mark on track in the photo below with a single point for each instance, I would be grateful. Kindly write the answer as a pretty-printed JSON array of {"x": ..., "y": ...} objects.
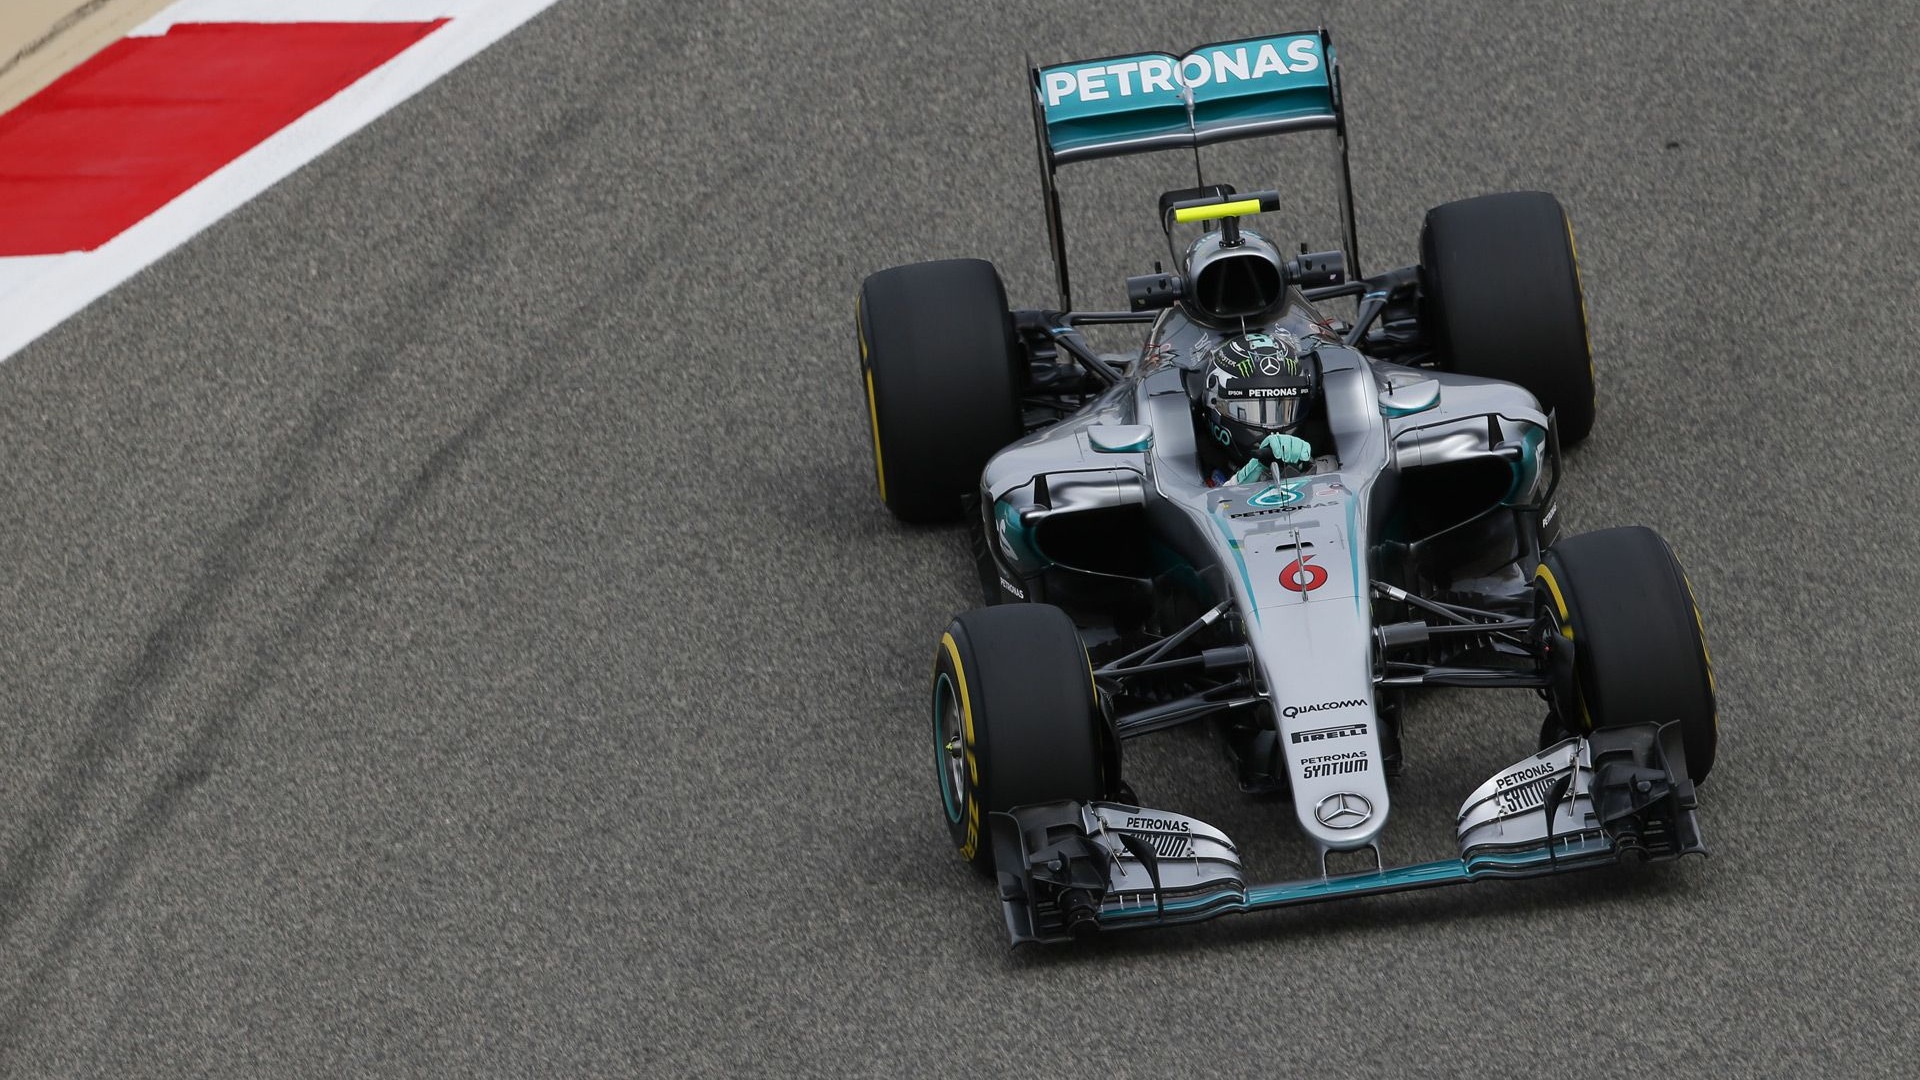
[
  {"x": 166, "y": 655},
  {"x": 71, "y": 20},
  {"x": 242, "y": 547}
]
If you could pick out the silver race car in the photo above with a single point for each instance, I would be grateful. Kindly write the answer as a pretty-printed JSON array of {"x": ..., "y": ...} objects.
[{"x": 1275, "y": 519}]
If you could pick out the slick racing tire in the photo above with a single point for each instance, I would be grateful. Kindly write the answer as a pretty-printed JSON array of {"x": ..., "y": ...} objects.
[
  {"x": 1619, "y": 598},
  {"x": 943, "y": 374},
  {"x": 1501, "y": 286},
  {"x": 1015, "y": 720}
]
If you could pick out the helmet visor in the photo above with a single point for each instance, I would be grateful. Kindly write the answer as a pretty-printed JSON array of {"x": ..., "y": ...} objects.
[{"x": 1274, "y": 408}]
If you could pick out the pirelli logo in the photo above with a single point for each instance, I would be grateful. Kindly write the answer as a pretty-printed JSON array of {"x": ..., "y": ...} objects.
[{"x": 1344, "y": 731}]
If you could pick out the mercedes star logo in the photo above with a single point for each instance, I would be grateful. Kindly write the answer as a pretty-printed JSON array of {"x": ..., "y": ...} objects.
[
  {"x": 1270, "y": 364},
  {"x": 1344, "y": 810}
]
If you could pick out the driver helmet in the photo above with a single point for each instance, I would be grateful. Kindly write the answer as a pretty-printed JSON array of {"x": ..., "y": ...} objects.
[{"x": 1255, "y": 385}]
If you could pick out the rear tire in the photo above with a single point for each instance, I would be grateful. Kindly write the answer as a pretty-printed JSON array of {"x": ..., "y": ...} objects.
[
  {"x": 1640, "y": 652},
  {"x": 1015, "y": 720},
  {"x": 1501, "y": 281},
  {"x": 943, "y": 376}
]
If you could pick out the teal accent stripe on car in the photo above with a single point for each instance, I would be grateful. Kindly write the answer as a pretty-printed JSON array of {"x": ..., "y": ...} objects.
[
  {"x": 1355, "y": 551},
  {"x": 1528, "y": 467},
  {"x": 1568, "y": 855},
  {"x": 1443, "y": 872},
  {"x": 1018, "y": 539},
  {"x": 1240, "y": 560}
]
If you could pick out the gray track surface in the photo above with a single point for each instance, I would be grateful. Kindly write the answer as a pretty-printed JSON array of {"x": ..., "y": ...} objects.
[{"x": 449, "y": 627}]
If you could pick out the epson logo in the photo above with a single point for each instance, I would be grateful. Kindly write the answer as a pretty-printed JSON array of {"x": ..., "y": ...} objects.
[
  {"x": 1151, "y": 74},
  {"x": 1323, "y": 734},
  {"x": 1292, "y": 711}
]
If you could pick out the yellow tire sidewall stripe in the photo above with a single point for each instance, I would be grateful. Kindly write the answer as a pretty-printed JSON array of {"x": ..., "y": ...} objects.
[
  {"x": 1580, "y": 289},
  {"x": 873, "y": 410},
  {"x": 972, "y": 844},
  {"x": 1706, "y": 655},
  {"x": 1542, "y": 573},
  {"x": 879, "y": 463},
  {"x": 1545, "y": 574}
]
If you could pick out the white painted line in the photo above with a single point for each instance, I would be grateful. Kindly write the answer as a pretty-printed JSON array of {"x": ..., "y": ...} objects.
[
  {"x": 21, "y": 272},
  {"x": 62, "y": 285}
]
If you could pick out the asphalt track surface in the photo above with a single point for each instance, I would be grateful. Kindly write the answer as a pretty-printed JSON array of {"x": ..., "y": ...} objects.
[{"x": 450, "y": 630}]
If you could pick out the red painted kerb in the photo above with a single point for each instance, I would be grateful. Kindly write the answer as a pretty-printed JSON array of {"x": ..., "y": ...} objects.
[{"x": 128, "y": 131}]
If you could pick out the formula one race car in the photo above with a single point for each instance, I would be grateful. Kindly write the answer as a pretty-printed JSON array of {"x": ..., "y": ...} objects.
[{"x": 1275, "y": 520}]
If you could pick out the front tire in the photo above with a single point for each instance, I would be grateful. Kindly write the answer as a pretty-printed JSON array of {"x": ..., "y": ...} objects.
[
  {"x": 1015, "y": 720},
  {"x": 1619, "y": 598},
  {"x": 944, "y": 374},
  {"x": 1502, "y": 300}
]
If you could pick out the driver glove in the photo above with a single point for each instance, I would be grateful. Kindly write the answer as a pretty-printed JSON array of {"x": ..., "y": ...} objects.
[{"x": 1287, "y": 449}]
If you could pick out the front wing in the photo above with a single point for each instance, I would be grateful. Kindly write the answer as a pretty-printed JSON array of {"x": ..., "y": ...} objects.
[{"x": 1067, "y": 869}]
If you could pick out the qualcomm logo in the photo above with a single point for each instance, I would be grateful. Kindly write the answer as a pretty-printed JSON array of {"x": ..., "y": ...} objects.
[
  {"x": 1292, "y": 711},
  {"x": 1145, "y": 75}
]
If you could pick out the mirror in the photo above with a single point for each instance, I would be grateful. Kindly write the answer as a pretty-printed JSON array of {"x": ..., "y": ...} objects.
[
  {"x": 1120, "y": 438},
  {"x": 1404, "y": 397}
]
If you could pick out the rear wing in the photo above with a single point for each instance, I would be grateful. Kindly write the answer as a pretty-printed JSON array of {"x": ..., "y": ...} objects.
[{"x": 1089, "y": 109}]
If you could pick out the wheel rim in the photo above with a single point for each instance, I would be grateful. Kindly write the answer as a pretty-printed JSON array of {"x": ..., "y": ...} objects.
[{"x": 949, "y": 746}]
